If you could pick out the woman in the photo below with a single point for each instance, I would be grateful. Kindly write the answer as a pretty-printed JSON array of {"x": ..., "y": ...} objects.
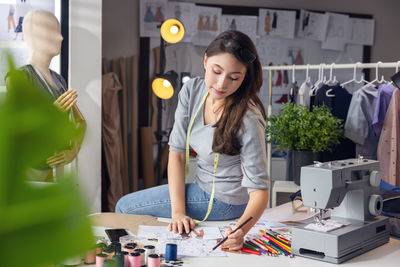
[{"x": 223, "y": 120}]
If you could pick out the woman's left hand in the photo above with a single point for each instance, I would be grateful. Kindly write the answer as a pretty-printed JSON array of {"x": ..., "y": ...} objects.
[{"x": 235, "y": 240}]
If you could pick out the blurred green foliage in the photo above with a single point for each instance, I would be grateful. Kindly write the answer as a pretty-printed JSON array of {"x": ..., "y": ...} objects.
[
  {"x": 38, "y": 225},
  {"x": 297, "y": 128}
]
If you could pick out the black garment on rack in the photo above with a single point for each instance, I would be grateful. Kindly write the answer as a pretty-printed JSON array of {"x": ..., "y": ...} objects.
[{"x": 339, "y": 105}]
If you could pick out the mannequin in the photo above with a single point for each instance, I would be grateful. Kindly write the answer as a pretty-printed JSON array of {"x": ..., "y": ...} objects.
[{"x": 43, "y": 36}]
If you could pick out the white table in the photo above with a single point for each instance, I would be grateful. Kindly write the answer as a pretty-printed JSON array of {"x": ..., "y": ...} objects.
[{"x": 383, "y": 256}]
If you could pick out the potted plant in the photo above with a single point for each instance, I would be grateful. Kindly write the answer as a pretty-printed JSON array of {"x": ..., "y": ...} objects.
[{"x": 303, "y": 133}]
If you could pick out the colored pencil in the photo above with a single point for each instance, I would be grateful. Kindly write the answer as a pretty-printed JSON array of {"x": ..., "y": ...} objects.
[
  {"x": 250, "y": 251},
  {"x": 245, "y": 245},
  {"x": 257, "y": 246},
  {"x": 251, "y": 245},
  {"x": 278, "y": 242},
  {"x": 275, "y": 239},
  {"x": 278, "y": 245}
]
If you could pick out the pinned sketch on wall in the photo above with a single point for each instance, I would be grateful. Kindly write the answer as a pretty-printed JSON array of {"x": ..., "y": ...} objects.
[
  {"x": 152, "y": 14},
  {"x": 12, "y": 15},
  {"x": 338, "y": 33},
  {"x": 362, "y": 31},
  {"x": 161, "y": 232},
  {"x": 184, "y": 12},
  {"x": 246, "y": 24},
  {"x": 276, "y": 23},
  {"x": 208, "y": 21},
  {"x": 313, "y": 25},
  {"x": 192, "y": 247}
]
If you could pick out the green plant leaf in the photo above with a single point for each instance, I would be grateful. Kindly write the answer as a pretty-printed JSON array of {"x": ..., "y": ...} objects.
[
  {"x": 295, "y": 127},
  {"x": 51, "y": 221}
]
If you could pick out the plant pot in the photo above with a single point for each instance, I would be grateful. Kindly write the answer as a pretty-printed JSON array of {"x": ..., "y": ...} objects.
[{"x": 296, "y": 160}]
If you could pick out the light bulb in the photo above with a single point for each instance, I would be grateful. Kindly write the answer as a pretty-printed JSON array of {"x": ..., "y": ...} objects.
[
  {"x": 174, "y": 29},
  {"x": 166, "y": 83},
  {"x": 185, "y": 79}
]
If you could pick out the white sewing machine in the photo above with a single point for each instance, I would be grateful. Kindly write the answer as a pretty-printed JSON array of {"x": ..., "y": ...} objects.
[{"x": 351, "y": 189}]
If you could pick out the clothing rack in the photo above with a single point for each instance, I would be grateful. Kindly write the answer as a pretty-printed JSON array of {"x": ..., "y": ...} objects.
[{"x": 322, "y": 67}]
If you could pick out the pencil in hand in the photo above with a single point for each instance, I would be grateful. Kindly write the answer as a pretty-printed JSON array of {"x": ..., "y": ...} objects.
[{"x": 226, "y": 237}]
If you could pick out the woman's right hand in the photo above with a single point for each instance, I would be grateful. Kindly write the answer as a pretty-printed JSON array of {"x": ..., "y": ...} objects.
[{"x": 181, "y": 223}]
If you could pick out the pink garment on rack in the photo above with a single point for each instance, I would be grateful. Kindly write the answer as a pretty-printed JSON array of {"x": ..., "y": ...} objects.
[{"x": 389, "y": 141}]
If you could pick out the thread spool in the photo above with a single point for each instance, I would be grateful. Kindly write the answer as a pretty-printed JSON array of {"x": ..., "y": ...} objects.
[
  {"x": 109, "y": 263},
  {"x": 153, "y": 260},
  {"x": 129, "y": 248},
  {"x": 171, "y": 252},
  {"x": 126, "y": 258},
  {"x": 132, "y": 244},
  {"x": 100, "y": 258},
  {"x": 142, "y": 258},
  {"x": 90, "y": 257},
  {"x": 149, "y": 249},
  {"x": 134, "y": 259}
]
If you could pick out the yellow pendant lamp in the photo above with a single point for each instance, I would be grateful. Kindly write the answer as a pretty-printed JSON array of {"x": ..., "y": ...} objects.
[{"x": 172, "y": 31}]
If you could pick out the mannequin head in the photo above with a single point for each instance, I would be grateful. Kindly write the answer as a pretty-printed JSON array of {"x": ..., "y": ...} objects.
[{"x": 42, "y": 34}]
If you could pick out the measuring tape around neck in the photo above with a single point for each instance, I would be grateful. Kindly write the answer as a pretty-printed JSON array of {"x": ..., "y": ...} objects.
[{"x": 187, "y": 159}]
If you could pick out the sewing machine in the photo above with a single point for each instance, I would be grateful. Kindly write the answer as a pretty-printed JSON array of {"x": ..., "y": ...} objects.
[{"x": 350, "y": 188}]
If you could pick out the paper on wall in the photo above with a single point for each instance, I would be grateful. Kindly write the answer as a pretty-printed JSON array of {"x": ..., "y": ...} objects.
[
  {"x": 362, "y": 31},
  {"x": 208, "y": 24},
  {"x": 276, "y": 23},
  {"x": 246, "y": 24},
  {"x": 184, "y": 12},
  {"x": 152, "y": 14},
  {"x": 313, "y": 25},
  {"x": 338, "y": 33}
]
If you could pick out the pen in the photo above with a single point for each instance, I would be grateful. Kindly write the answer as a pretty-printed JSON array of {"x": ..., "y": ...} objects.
[{"x": 226, "y": 237}]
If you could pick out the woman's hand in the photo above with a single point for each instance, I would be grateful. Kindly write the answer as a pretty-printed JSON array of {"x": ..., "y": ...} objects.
[
  {"x": 235, "y": 240},
  {"x": 181, "y": 224}
]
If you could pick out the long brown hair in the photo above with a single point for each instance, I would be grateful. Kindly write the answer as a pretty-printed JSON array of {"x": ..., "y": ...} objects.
[{"x": 231, "y": 121}]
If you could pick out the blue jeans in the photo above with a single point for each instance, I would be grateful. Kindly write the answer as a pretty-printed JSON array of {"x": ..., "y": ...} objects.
[{"x": 155, "y": 201}]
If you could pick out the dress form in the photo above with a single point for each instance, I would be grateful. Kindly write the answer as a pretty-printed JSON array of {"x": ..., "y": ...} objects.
[{"x": 43, "y": 37}]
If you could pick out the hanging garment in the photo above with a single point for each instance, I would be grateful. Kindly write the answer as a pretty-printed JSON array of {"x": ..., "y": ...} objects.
[
  {"x": 303, "y": 97},
  {"x": 385, "y": 92},
  {"x": 112, "y": 138},
  {"x": 293, "y": 91},
  {"x": 358, "y": 126},
  {"x": 339, "y": 105},
  {"x": 389, "y": 141}
]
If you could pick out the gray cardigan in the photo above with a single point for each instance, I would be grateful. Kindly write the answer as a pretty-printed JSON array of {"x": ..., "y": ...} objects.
[{"x": 236, "y": 176}]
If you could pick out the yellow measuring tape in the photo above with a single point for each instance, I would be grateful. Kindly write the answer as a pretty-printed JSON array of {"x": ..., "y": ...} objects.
[{"x": 187, "y": 159}]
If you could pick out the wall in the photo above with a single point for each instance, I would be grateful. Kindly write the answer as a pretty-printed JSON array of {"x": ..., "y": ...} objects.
[
  {"x": 121, "y": 24},
  {"x": 85, "y": 76},
  {"x": 120, "y": 28}
]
